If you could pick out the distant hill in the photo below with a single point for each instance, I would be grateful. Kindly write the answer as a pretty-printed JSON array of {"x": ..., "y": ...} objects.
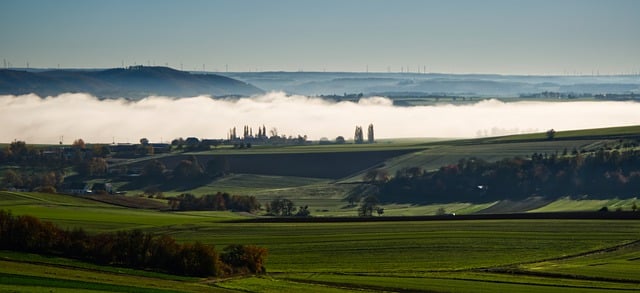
[
  {"x": 133, "y": 82},
  {"x": 482, "y": 85}
]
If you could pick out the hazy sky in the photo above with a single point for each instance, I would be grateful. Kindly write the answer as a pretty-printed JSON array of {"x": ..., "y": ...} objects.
[{"x": 489, "y": 36}]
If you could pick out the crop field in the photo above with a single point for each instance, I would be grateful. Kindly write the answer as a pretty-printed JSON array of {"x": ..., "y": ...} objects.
[
  {"x": 72, "y": 212},
  {"x": 436, "y": 256}
]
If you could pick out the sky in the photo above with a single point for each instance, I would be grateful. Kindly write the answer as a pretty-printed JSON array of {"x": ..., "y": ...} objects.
[{"x": 491, "y": 36}]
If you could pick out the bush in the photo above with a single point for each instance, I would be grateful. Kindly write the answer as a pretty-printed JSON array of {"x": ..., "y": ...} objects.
[
  {"x": 245, "y": 259},
  {"x": 46, "y": 189},
  {"x": 133, "y": 249}
]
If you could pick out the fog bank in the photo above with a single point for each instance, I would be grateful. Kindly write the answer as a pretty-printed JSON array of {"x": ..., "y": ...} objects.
[{"x": 45, "y": 120}]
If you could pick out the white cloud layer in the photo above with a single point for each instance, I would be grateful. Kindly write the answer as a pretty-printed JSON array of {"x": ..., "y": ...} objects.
[{"x": 45, "y": 120}]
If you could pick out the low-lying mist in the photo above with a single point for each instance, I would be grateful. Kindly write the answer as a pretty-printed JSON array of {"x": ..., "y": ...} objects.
[{"x": 44, "y": 120}]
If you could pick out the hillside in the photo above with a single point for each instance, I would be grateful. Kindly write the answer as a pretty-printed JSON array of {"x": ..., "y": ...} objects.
[
  {"x": 418, "y": 84},
  {"x": 133, "y": 82}
]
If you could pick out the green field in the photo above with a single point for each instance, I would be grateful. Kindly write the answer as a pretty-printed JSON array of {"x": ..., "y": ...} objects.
[
  {"x": 608, "y": 133},
  {"x": 435, "y": 256}
]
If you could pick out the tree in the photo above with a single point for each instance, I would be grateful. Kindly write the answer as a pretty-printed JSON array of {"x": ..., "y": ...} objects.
[
  {"x": 358, "y": 136},
  {"x": 79, "y": 143},
  {"x": 101, "y": 150},
  {"x": 303, "y": 211},
  {"x": 144, "y": 141},
  {"x": 376, "y": 175},
  {"x": 273, "y": 132},
  {"x": 217, "y": 167},
  {"x": 188, "y": 169},
  {"x": 245, "y": 258},
  {"x": 340, "y": 140},
  {"x": 370, "y": 138},
  {"x": 18, "y": 150},
  {"x": 368, "y": 205},
  {"x": 98, "y": 166},
  {"x": 551, "y": 134},
  {"x": 95, "y": 166},
  {"x": 154, "y": 171},
  {"x": 281, "y": 207},
  {"x": 634, "y": 207},
  {"x": 12, "y": 179}
]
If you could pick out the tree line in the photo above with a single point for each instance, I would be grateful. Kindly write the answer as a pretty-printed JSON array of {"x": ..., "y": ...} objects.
[
  {"x": 44, "y": 169},
  {"x": 600, "y": 174},
  {"x": 214, "y": 202},
  {"x": 132, "y": 249}
]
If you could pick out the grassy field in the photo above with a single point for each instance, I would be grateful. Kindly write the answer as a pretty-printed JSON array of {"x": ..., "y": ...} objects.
[
  {"x": 460, "y": 256},
  {"x": 70, "y": 212},
  {"x": 601, "y": 133},
  {"x": 571, "y": 205}
]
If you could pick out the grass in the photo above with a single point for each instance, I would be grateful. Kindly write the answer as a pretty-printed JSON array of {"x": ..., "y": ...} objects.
[
  {"x": 381, "y": 145},
  {"x": 458, "y": 282},
  {"x": 343, "y": 257},
  {"x": 412, "y": 246},
  {"x": 76, "y": 212},
  {"x": 277, "y": 285},
  {"x": 29, "y": 276},
  {"x": 601, "y": 133},
  {"x": 14, "y": 279},
  {"x": 620, "y": 264},
  {"x": 573, "y": 205},
  {"x": 17, "y": 257}
]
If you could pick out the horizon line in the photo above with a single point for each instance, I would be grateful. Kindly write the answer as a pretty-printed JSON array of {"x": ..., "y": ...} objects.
[{"x": 28, "y": 69}]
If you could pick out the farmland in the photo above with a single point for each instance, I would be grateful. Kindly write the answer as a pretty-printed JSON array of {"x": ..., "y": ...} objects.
[
  {"x": 441, "y": 256},
  {"x": 453, "y": 255}
]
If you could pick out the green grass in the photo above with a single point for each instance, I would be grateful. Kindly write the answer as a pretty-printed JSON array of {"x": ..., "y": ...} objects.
[
  {"x": 412, "y": 246},
  {"x": 573, "y": 205},
  {"x": 622, "y": 264},
  {"x": 249, "y": 184},
  {"x": 53, "y": 275},
  {"x": 277, "y": 285},
  {"x": 76, "y": 212},
  {"x": 382, "y": 145},
  {"x": 609, "y": 132},
  {"x": 16, "y": 198},
  {"x": 458, "y": 282},
  {"x": 13, "y": 279},
  {"x": 13, "y": 256},
  {"x": 342, "y": 257}
]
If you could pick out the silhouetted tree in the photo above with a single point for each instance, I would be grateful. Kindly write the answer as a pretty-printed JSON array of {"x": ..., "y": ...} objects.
[
  {"x": 281, "y": 207},
  {"x": 154, "y": 171},
  {"x": 367, "y": 206},
  {"x": 358, "y": 136},
  {"x": 551, "y": 134}
]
